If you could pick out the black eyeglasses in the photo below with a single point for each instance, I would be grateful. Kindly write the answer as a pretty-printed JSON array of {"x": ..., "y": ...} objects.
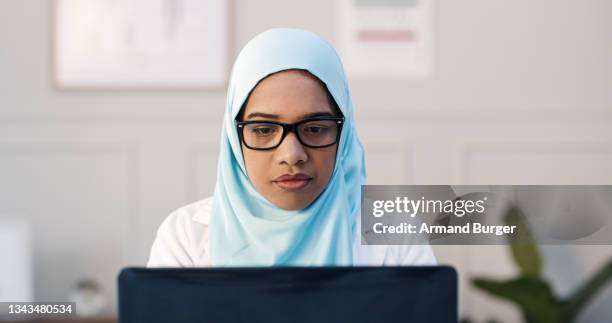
[{"x": 317, "y": 132}]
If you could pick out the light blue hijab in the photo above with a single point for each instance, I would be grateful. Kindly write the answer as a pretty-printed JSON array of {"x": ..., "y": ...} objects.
[{"x": 245, "y": 228}]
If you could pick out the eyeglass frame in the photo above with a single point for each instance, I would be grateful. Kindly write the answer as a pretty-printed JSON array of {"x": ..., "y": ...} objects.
[{"x": 287, "y": 128}]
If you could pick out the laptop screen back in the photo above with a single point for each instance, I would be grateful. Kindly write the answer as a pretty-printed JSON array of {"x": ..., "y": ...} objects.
[{"x": 288, "y": 294}]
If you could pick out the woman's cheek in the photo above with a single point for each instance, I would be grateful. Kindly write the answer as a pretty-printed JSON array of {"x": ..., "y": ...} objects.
[
  {"x": 328, "y": 163},
  {"x": 262, "y": 169}
]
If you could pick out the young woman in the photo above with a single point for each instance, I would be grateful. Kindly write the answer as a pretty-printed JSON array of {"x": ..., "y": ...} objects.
[{"x": 290, "y": 169}]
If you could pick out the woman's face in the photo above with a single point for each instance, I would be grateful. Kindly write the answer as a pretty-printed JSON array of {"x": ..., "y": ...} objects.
[{"x": 289, "y": 96}]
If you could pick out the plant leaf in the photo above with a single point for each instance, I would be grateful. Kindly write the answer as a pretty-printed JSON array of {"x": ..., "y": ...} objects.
[
  {"x": 522, "y": 244},
  {"x": 589, "y": 289},
  {"x": 531, "y": 294}
]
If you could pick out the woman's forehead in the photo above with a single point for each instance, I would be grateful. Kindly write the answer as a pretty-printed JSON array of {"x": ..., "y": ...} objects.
[{"x": 289, "y": 95}]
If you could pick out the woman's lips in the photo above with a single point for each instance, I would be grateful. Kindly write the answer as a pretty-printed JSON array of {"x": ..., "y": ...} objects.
[
  {"x": 290, "y": 182},
  {"x": 292, "y": 185}
]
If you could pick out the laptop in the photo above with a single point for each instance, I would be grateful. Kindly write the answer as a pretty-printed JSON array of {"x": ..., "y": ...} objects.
[{"x": 288, "y": 294}]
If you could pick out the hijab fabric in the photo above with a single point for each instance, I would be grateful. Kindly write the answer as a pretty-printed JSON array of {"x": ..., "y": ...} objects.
[{"x": 245, "y": 228}]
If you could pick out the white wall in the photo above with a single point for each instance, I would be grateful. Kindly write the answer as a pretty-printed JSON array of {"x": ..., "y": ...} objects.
[{"x": 521, "y": 94}]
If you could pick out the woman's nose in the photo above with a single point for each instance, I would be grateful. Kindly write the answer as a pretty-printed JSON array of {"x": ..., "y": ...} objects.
[{"x": 291, "y": 151}]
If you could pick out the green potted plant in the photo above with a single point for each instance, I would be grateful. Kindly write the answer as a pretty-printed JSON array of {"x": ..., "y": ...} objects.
[{"x": 530, "y": 291}]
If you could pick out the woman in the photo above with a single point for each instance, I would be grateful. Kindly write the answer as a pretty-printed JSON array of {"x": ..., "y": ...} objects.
[{"x": 290, "y": 169}]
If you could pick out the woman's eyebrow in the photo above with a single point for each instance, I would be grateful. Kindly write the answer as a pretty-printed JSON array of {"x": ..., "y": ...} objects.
[
  {"x": 317, "y": 114},
  {"x": 262, "y": 115},
  {"x": 276, "y": 117}
]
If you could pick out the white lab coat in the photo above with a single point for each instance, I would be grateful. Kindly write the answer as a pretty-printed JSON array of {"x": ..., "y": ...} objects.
[{"x": 182, "y": 241}]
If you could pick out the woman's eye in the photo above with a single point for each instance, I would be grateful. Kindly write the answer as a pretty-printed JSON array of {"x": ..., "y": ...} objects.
[
  {"x": 263, "y": 131},
  {"x": 316, "y": 130}
]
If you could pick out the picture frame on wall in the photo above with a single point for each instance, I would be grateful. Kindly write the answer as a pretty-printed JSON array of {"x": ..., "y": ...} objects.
[
  {"x": 387, "y": 39},
  {"x": 140, "y": 44}
]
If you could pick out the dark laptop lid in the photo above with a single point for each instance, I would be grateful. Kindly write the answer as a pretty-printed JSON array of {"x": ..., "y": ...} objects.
[{"x": 288, "y": 294}]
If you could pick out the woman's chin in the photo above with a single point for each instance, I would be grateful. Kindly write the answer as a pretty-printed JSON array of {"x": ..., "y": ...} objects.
[{"x": 291, "y": 201}]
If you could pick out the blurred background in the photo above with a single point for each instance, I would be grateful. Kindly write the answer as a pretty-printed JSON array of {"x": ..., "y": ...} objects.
[{"x": 518, "y": 92}]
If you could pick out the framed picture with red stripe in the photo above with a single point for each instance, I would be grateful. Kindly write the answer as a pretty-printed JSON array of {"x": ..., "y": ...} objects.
[{"x": 386, "y": 38}]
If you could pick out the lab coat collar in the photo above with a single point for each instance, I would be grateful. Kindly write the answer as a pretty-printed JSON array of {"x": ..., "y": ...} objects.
[
  {"x": 201, "y": 217},
  {"x": 202, "y": 211}
]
